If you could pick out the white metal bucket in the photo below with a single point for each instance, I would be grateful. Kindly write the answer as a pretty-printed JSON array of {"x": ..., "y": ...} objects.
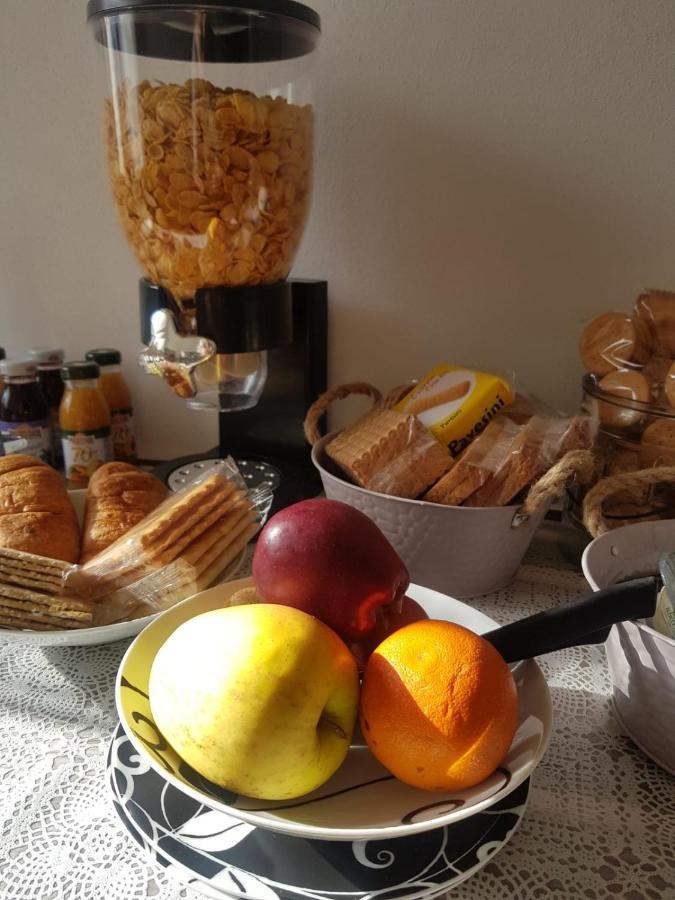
[
  {"x": 461, "y": 551},
  {"x": 641, "y": 660}
]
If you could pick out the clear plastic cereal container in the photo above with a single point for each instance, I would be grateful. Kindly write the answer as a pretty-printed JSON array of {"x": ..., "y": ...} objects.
[{"x": 208, "y": 130}]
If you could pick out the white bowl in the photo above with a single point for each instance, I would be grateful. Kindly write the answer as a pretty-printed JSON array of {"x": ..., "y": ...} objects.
[
  {"x": 76, "y": 637},
  {"x": 362, "y": 801},
  {"x": 641, "y": 660},
  {"x": 460, "y": 550}
]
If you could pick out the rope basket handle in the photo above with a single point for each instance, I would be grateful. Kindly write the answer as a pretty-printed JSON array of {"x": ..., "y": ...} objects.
[
  {"x": 321, "y": 404},
  {"x": 576, "y": 466},
  {"x": 396, "y": 394},
  {"x": 593, "y": 515}
]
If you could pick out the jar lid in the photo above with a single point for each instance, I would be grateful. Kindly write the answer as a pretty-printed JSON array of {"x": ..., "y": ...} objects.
[
  {"x": 104, "y": 356},
  {"x": 257, "y": 31},
  {"x": 80, "y": 369},
  {"x": 46, "y": 356},
  {"x": 17, "y": 368}
]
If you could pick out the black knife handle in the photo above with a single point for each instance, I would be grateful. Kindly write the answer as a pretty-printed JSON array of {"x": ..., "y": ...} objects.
[{"x": 583, "y": 622}]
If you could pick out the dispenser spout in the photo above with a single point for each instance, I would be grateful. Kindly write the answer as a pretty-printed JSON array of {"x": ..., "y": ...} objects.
[
  {"x": 195, "y": 372},
  {"x": 173, "y": 356}
]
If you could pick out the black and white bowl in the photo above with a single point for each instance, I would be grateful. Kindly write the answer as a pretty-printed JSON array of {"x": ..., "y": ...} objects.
[{"x": 222, "y": 856}]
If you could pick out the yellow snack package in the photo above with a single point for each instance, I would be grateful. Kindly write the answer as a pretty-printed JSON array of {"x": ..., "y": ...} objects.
[{"x": 456, "y": 404}]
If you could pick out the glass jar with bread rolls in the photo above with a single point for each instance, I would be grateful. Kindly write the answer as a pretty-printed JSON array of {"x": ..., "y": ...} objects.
[
  {"x": 118, "y": 397},
  {"x": 629, "y": 358},
  {"x": 636, "y": 431},
  {"x": 84, "y": 419}
]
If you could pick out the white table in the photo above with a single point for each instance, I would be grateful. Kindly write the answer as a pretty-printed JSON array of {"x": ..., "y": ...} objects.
[{"x": 600, "y": 821}]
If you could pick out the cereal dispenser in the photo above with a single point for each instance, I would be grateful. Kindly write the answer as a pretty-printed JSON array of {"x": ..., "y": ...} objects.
[{"x": 208, "y": 131}]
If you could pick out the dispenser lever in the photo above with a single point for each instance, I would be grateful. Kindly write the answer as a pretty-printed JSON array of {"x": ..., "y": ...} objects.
[{"x": 173, "y": 356}]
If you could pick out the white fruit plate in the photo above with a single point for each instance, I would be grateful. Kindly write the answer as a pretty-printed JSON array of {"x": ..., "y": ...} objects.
[
  {"x": 362, "y": 801},
  {"x": 100, "y": 634}
]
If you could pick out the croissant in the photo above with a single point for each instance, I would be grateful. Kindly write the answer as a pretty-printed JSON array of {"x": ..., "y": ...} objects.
[{"x": 119, "y": 496}]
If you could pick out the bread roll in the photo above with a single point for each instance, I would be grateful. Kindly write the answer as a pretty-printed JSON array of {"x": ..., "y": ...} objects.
[
  {"x": 657, "y": 309},
  {"x": 626, "y": 385},
  {"x": 657, "y": 446},
  {"x": 36, "y": 515},
  {"x": 669, "y": 385},
  {"x": 614, "y": 341},
  {"x": 119, "y": 496}
]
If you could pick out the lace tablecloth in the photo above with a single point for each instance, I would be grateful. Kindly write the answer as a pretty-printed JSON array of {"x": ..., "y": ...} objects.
[{"x": 600, "y": 821}]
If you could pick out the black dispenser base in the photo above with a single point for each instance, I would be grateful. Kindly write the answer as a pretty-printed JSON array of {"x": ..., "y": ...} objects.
[{"x": 272, "y": 431}]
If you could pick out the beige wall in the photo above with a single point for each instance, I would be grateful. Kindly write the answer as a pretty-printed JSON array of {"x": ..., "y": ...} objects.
[{"x": 490, "y": 174}]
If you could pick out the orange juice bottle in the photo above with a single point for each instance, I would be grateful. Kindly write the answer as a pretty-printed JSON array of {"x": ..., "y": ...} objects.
[
  {"x": 118, "y": 396},
  {"x": 84, "y": 419}
]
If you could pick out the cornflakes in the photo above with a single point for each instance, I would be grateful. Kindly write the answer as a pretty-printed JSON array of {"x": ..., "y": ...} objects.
[{"x": 212, "y": 185}]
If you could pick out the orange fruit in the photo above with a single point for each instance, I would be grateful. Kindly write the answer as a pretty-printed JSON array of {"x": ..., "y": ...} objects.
[
  {"x": 439, "y": 706},
  {"x": 388, "y": 619}
]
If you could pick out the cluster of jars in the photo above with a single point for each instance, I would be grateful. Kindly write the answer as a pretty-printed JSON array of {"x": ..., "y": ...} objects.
[{"x": 75, "y": 415}]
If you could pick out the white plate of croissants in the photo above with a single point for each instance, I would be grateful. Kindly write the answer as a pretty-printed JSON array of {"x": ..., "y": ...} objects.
[{"x": 95, "y": 566}]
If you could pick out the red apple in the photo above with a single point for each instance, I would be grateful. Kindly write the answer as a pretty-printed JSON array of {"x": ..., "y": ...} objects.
[
  {"x": 331, "y": 561},
  {"x": 388, "y": 620}
]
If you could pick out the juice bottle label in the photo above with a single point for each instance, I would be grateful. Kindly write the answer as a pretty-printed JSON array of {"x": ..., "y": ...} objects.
[
  {"x": 31, "y": 438},
  {"x": 123, "y": 438},
  {"x": 84, "y": 452}
]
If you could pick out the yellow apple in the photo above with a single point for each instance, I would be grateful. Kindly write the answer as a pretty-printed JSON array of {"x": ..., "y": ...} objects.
[{"x": 261, "y": 699}]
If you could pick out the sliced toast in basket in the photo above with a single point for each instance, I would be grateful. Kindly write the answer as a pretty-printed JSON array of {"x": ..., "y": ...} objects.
[{"x": 390, "y": 452}]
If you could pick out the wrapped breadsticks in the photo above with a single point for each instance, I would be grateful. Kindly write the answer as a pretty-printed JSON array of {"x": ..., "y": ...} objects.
[{"x": 180, "y": 548}]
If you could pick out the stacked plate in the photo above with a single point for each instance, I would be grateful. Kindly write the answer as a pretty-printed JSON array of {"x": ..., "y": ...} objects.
[{"x": 361, "y": 833}]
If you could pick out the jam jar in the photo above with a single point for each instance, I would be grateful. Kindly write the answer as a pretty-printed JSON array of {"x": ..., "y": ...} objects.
[{"x": 24, "y": 414}]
